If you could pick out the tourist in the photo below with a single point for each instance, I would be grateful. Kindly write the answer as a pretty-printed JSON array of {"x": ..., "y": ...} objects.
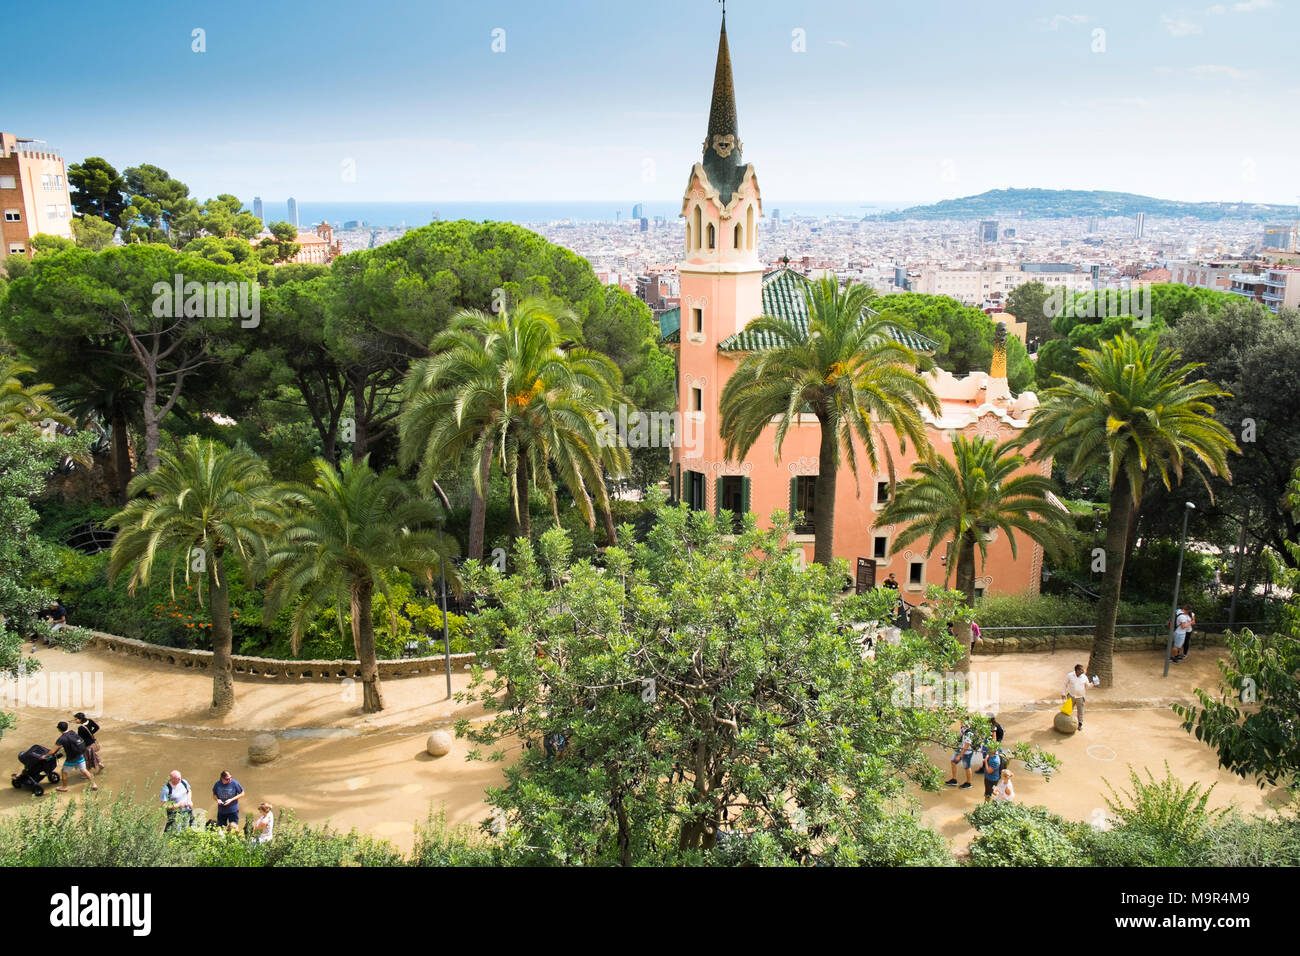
[
  {"x": 74, "y": 755},
  {"x": 1182, "y": 628},
  {"x": 891, "y": 582},
  {"x": 1191, "y": 627},
  {"x": 227, "y": 790},
  {"x": 87, "y": 729},
  {"x": 965, "y": 752},
  {"x": 1076, "y": 688},
  {"x": 57, "y": 616},
  {"x": 995, "y": 729},
  {"x": 994, "y": 761},
  {"x": 1004, "y": 792},
  {"x": 265, "y": 824},
  {"x": 975, "y": 637},
  {"x": 178, "y": 798}
]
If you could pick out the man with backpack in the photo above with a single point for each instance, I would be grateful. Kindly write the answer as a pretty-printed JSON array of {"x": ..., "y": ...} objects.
[
  {"x": 178, "y": 798},
  {"x": 74, "y": 755},
  {"x": 994, "y": 761}
]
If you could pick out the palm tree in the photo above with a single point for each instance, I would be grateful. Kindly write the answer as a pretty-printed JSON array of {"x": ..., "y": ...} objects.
[
  {"x": 512, "y": 386},
  {"x": 1135, "y": 411},
  {"x": 199, "y": 507},
  {"x": 966, "y": 500},
  {"x": 24, "y": 404},
  {"x": 355, "y": 529},
  {"x": 843, "y": 368}
]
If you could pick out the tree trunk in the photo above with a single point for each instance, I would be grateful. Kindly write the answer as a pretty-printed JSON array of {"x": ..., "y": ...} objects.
[
  {"x": 363, "y": 637},
  {"x": 150, "y": 423},
  {"x": 824, "y": 498},
  {"x": 965, "y": 551},
  {"x": 1236, "y": 573},
  {"x": 611, "y": 533},
  {"x": 121, "y": 452},
  {"x": 522, "y": 522},
  {"x": 223, "y": 681},
  {"x": 478, "y": 504},
  {"x": 1103, "y": 643}
]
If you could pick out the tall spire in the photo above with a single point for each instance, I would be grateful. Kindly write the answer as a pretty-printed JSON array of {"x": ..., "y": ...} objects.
[{"x": 722, "y": 160}]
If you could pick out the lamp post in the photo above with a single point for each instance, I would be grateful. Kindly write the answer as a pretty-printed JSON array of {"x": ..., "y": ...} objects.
[
  {"x": 442, "y": 583},
  {"x": 1178, "y": 581}
]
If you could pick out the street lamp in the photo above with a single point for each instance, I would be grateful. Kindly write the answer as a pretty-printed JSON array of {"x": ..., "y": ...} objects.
[
  {"x": 1178, "y": 581},
  {"x": 442, "y": 582}
]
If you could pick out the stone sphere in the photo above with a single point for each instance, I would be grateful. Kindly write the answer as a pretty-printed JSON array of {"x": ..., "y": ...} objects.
[
  {"x": 1065, "y": 723},
  {"x": 263, "y": 749},
  {"x": 439, "y": 743}
]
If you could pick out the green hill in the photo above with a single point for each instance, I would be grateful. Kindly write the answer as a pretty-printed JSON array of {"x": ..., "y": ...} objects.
[{"x": 1067, "y": 203}]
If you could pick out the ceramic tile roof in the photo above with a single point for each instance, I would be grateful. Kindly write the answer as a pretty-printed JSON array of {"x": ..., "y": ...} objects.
[
  {"x": 670, "y": 325},
  {"x": 783, "y": 296}
]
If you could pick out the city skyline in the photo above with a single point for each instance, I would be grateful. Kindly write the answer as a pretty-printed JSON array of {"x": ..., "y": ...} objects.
[{"x": 906, "y": 105}]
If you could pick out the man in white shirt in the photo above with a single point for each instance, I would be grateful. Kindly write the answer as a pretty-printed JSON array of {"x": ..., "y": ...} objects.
[
  {"x": 1076, "y": 688},
  {"x": 178, "y": 799},
  {"x": 1182, "y": 627}
]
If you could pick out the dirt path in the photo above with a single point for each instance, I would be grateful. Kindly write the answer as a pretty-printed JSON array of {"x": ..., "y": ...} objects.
[{"x": 372, "y": 773}]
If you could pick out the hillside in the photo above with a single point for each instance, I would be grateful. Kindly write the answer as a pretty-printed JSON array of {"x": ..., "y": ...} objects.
[{"x": 1067, "y": 203}]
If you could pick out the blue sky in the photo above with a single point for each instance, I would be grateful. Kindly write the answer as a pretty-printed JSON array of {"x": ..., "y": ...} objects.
[{"x": 595, "y": 99}]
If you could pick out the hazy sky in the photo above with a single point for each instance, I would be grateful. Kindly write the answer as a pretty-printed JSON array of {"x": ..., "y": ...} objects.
[{"x": 603, "y": 99}]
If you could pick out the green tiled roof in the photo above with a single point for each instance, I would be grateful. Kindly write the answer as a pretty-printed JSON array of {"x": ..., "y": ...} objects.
[
  {"x": 783, "y": 296},
  {"x": 670, "y": 325}
]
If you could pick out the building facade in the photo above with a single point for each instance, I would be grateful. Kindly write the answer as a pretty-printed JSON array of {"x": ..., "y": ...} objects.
[
  {"x": 724, "y": 286},
  {"x": 34, "y": 195}
]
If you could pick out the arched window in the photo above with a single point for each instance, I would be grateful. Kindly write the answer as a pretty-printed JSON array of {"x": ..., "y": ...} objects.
[
  {"x": 749, "y": 225},
  {"x": 688, "y": 237},
  {"x": 713, "y": 238},
  {"x": 738, "y": 241},
  {"x": 699, "y": 232}
]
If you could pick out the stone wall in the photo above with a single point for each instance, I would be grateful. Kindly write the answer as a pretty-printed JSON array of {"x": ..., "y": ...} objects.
[
  {"x": 992, "y": 646},
  {"x": 254, "y": 668}
]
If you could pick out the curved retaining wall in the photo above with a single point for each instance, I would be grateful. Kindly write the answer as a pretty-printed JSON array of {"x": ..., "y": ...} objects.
[
  {"x": 266, "y": 668},
  {"x": 992, "y": 646}
]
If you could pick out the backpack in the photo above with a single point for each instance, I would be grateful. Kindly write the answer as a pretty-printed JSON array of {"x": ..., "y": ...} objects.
[
  {"x": 183, "y": 781},
  {"x": 77, "y": 749}
]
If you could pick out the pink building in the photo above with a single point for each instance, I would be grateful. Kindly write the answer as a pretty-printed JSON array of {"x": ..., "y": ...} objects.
[{"x": 724, "y": 286}]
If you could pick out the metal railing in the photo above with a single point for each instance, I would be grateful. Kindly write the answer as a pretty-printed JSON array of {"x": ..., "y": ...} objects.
[{"x": 1056, "y": 631}]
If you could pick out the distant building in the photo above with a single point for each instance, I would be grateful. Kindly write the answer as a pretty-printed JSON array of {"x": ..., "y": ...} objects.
[
  {"x": 1279, "y": 237},
  {"x": 645, "y": 224},
  {"x": 293, "y": 212},
  {"x": 988, "y": 230},
  {"x": 258, "y": 211},
  {"x": 638, "y": 211},
  {"x": 1206, "y": 274},
  {"x": 1141, "y": 224},
  {"x": 1275, "y": 288},
  {"x": 317, "y": 248},
  {"x": 977, "y": 286},
  {"x": 34, "y": 195},
  {"x": 1092, "y": 223}
]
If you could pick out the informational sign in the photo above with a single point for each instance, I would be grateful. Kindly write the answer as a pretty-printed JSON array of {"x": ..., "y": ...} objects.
[{"x": 866, "y": 574}]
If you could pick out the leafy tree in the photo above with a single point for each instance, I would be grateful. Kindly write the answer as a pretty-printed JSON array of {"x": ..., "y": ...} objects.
[
  {"x": 79, "y": 313},
  {"x": 969, "y": 498},
  {"x": 97, "y": 189},
  {"x": 510, "y": 385},
  {"x": 354, "y": 530},
  {"x": 844, "y": 368},
  {"x": 710, "y": 703},
  {"x": 93, "y": 233},
  {"x": 157, "y": 206},
  {"x": 280, "y": 245},
  {"x": 1137, "y": 412},
  {"x": 43, "y": 244},
  {"x": 200, "y": 508},
  {"x": 1031, "y": 303}
]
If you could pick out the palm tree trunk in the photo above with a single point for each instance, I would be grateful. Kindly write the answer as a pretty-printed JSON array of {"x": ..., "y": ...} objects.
[
  {"x": 363, "y": 636},
  {"x": 223, "y": 681},
  {"x": 522, "y": 522},
  {"x": 121, "y": 452},
  {"x": 611, "y": 533},
  {"x": 824, "y": 498},
  {"x": 1103, "y": 643},
  {"x": 478, "y": 504},
  {"x": 966, "y": 585}
]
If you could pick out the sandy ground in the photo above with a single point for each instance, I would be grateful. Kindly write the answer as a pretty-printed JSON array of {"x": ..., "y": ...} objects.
[{"x": 372, "y": 773}]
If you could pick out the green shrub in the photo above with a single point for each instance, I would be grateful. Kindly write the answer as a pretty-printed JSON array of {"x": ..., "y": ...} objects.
[
  {"x": 1238, "y": 841},
  {"x": 437, "y": 844},
  {"x": 1014, "y": 835},
  {"x": 297, "y": 844},
  {"x": 71, "y": 638},
  {"x": 1045, "y": 613},
  {"x": 86, "y": 832},
  {"x": 1136, "y": 845},
  {"x": 1174, "y": 814}
]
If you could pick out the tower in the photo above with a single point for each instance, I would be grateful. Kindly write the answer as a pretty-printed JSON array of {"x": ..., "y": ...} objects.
[
  {"x": 721, "y": 276},
  {"x": 293, "y": 212}
]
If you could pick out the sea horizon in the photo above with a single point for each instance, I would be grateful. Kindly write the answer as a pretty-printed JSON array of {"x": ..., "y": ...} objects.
[{"x": 409, "y": 214}]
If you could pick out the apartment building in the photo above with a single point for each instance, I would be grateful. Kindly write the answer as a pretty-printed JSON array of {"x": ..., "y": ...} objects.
[
  {"x": 977, "y": 286},
  {"x": 1275, "y": 288},
  {"x": 33, "y": 194}
]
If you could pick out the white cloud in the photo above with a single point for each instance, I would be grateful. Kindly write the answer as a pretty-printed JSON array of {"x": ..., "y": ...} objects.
[
  {"x": 1071, "y": 19},
  {"x": 1217, "y": 10},
  {"x": 1250, "y": 6},
  {"x": 838, "y": 42},
  {"x": 1216, "y": 70},
  {"x": 1180, "y": 26}
]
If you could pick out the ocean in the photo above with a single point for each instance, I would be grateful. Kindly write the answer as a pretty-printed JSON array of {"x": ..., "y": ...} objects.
[{"x": 411, "y": 214}]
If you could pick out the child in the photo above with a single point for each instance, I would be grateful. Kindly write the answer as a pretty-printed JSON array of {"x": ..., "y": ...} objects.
[
  {"x": 1004, "y": 791},
  {"x": 265, "y": 824}
]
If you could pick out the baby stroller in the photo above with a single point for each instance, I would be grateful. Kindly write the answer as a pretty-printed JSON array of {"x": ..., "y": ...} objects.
[{"x": 37, "y": 762}]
